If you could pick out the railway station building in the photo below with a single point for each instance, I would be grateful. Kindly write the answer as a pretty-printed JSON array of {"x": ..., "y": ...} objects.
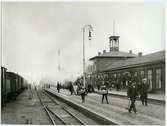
[{"x": 119, "y": 67}]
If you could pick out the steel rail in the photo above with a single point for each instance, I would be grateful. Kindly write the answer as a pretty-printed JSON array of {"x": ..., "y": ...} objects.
[
  {"x": 79, "y": 120},
  {"x": 64, "y": 122},
  {"x": 69, "y": 112},
  {"x": 51, "y": 98},
  {"x": 46, "y": 109},
  {"x": 51, "y": 118}
]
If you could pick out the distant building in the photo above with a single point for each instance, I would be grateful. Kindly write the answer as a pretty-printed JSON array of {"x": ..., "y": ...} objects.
[
  {"x": 114, "y": 66},
  {"x": 105, "y": 59}
]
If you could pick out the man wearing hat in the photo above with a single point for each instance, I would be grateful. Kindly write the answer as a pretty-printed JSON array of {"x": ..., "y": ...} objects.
[
  {"x": 104, "y": 92},
  {"x": 58, "y": 87},
  {"x": 144, "y": 88},
  {"x": 82, "y": 92},
  {"x": 132, "y": 94}
]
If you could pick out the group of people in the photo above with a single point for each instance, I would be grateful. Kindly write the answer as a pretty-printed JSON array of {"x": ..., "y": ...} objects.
[
  {"x": 117, "y": 81},
  {"x": 133, "y": 92}
]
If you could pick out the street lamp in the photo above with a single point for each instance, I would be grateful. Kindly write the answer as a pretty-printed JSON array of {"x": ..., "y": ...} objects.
[{"x": 90, "y": 28}]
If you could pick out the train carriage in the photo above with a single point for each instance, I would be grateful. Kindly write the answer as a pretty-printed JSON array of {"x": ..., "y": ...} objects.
[
  {"x": 12, "y": 84},
  {"x": 20, "y": 83},
  {"x": 3, "y": 85}
]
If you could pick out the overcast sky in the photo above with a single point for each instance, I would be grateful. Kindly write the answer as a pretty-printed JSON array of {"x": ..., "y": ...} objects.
[{"x": 32, "y": 33}]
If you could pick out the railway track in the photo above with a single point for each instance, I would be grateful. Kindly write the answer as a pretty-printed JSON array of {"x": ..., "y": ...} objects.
[
  {"x": 117, "y": 108},
  {"x": 56, "y": 112},
  {"x": 99, "y": 119}
]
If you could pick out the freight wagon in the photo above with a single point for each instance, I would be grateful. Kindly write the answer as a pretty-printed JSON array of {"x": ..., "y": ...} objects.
[{"x": 12, "y": 85}]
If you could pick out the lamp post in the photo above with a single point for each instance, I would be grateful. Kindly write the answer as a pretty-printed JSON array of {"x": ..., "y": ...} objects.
[{"x": 90, "y": 28}]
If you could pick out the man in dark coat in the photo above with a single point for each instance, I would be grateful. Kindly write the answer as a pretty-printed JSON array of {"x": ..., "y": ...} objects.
[
  {"x": 71, "y": 88},
  {"x": 144, "y": 88},
  {"x": 104, "y": 93},
  {"x": 123, "y": 78},
  {"x": 82, "y": 93},
  {"x": 132, "y": 94},
  {"x": 98, "y": 87},
  {"x": 58, "y": 87},
  {"x": 118, "y": 84}
]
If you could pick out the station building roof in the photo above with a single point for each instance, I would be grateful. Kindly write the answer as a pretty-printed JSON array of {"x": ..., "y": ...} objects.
[
  {"x": 137, "y": 61},
  {"x": 114, "y": 54}
]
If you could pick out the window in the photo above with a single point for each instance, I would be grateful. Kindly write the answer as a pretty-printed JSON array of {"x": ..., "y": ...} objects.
[
  {"x": 158, "y": 78},
  {"x": 8, "y": 86},
  {"x": 149, "y": 78},
  {"x": 107, "y": 75},
  {"x": 3, "y": 74},
  {"x": 115, "y": 75},
  {"x": 135, "y": 74},
  {"x": 94, "y": 67},
  {"x": 98, "y": 76},
  {"x": 142, "y": 74}
]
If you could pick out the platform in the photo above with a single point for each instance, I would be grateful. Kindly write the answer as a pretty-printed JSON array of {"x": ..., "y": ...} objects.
[
  {"x": 116, "y": 110},
  {"x": 151, "y": 96},
  {"x": 26, "y": 109}
]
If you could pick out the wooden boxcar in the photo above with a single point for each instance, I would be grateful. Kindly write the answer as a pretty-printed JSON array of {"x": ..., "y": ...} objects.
[
  {"x": 3, "y": 86},
  {"x": 12, "y": 85}
]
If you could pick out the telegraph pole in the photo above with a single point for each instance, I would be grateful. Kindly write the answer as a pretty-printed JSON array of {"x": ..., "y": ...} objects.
[
  {"x": 90, "y": 28},
  {"x": 59, "y": 60}
]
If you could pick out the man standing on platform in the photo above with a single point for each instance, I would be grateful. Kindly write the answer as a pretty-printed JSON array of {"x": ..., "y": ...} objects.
[
  {"x": 144, "y": 88},
  {"x": 104, "y": 93},
  {"x": 71, "y": 88},
  {"x": 132, "y": 94},
  {"x": 58, "y": 87},
  {"x": 82, "y": 92}
]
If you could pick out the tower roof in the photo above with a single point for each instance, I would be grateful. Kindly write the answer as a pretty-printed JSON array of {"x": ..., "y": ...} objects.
[{"x": 114, "y": 37}]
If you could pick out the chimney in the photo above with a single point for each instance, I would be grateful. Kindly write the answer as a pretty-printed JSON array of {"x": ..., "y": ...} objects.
[
  {"x": 99, "y": 53},
  {"x": 104, "y": 51},
  {"x": 140, "y": 54},
  {"x": 130, "y": 51}
]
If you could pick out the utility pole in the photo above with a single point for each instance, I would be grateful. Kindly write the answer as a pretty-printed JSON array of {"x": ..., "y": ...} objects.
[
  {"x": 114, "y": 28},
  {"x": 90, "y": 28},
  {"x": 59, "y": 60}
]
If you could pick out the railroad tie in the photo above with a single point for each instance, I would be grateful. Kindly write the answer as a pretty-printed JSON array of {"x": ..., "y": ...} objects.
[{"x": 28, "y": 121}]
